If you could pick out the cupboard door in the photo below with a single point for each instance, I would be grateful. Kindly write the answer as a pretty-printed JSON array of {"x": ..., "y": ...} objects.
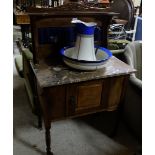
[
  {"x": 84, "y": 97},
  {"x": 88, "y": 96}
]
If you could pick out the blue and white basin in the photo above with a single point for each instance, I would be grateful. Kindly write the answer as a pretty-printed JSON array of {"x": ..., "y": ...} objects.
[{"x": 70, "y": 58}]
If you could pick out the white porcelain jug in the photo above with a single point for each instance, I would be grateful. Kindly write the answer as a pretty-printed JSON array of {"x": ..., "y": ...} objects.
[{"x": 84, "y": 46}]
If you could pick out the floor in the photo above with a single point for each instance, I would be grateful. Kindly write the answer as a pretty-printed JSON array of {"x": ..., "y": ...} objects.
[{"x": 83, "y": 136}]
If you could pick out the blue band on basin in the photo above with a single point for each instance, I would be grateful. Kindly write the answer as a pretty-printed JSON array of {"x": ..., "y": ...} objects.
[{"x": 108, "y": 52}]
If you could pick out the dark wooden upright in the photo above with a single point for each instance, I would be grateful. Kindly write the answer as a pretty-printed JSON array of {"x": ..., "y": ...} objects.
[{"x": 63, "y": 92}]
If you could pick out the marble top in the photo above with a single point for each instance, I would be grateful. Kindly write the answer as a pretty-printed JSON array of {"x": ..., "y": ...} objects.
[{"x": 59, "y": 74}]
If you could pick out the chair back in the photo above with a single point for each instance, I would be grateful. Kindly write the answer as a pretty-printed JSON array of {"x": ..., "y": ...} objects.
[
  {"x": 133, "y": 54},
  {"x": 119, "y": 6}
]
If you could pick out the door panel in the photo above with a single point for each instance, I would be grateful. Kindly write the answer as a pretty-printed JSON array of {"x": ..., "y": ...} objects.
[
  {"x": 84, "y": 97},
  {"x": 89, "y": 96}
]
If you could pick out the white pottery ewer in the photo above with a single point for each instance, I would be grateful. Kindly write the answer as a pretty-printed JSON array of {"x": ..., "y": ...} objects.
[{"x": 84, "y": 46}]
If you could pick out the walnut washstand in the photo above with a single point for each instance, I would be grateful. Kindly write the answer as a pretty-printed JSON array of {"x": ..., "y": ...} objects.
[{"x": 62, "y": 92}]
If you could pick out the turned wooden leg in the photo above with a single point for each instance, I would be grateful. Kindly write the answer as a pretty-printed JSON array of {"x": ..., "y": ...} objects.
[
  {"x": 48, "y": 141},
  {"x": 47, "y": 121},
  {"x": 38, "y": 112}
]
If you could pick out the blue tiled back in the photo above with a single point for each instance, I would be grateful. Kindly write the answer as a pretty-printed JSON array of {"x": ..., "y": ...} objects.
[{"x": 67, "y": 35}]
